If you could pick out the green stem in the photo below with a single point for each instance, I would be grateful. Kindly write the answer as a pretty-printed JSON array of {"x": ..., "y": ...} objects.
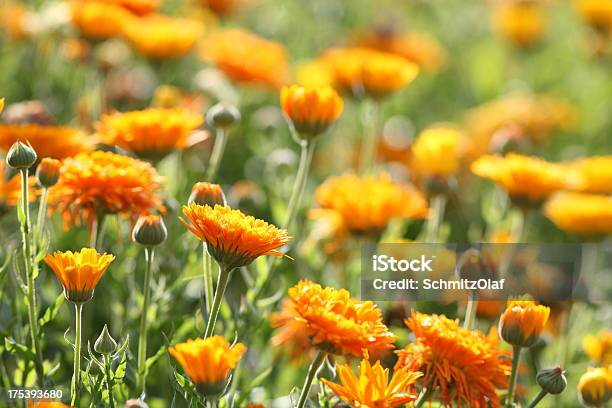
[
  {"x": 207, "y": 263},
  {"x": 422, "y": 398},
  {"x": 470, "y": 310},
  {"x": 215, "y": 156},
  {"x": 432, "y": 228},
  {"x": 517, "y": 232},
  {"x": 109, "y": 380},
  {"x": 224, "y": 276},
  {"x": 370, "y": 137},
  {"x": 142, "y": 340},
  {"x": 312, "y": 373},
  {"x": 97, "y": 229},
  {"x": 516, "y": 356},
  {"x": 76, "y": 376},
  {"x": 307, "y": 151},
  {"x": 537, "y": 399},
  {"x": 29, "y": 270},
  {"x": 40, "y": 219}
]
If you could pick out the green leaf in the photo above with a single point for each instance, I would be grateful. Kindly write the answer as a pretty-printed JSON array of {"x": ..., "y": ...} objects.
[
  {"x": 153, "y": 359},
  {"x": 22, "y": 351},
  {"x": 121, "y": 368},
  {"x": 52, "y": 311}
]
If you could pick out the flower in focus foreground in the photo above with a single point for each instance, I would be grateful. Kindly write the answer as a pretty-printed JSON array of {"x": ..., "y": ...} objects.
[
  {"x": 334, "y": 322},
  {"x": 161, "y": 37},
  {"x": 596, "y": 13},
  {"x": 372, "y": 388},
  {"x": 435, "y": 153},
  {"x": 99, "y": 183},
  {"x": 460, "y": 364},
  {"x": 595, "y": 386},
  {"x": 582, "y": 214},
  {"x": 311, "y": 110},
  {"x": 56, "y": 142},
  {"x": 246, "y": 58},
  {"x": 367, "y": 204},
  {"x": 599, "y": 347},
  {"x": 151, "y": 133},
  {"x": 527, "y": 180},
  {"x": 233, "y": 238},
  {"x": 522, "y": 322},
  {"x": 79, "y": 272},
  {"x": 208, "y": 362},
  {"x": 521, "y": 21}
]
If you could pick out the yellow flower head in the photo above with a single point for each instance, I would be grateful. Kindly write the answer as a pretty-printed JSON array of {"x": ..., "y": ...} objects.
[
  {"x": 56, "y": 142},
  {"x": 97, "y": 19},
  {"x": 311, "y": 110},
  {"x": 599, "y": 347},
  {"x": 435, "y": 153},
  {"x": 233, "y": 238},
  {"x": 161, "y": 37},
  {"x": 151, "y": 133},
  {"x": 247, "y": 58},
  {"x": 522, "y": 22},
  {"x": 79, "y": 272},
  {"x": 347, "y": 66},
  {"x": 596, "y": 13},
  {"x": 527, "y": 180},
  {"x": 367, "y": 204},
  {"x": 384, "y": 73},
  {"x": 522, "y": 322},
  {"x": 98, "y": 183},
  {"x": 315, "y": 73},
  {"x": 591, "y": 175},
  {"x": 333, "y": 321},
  {"x": 208, "y": 362},
  {"x": 372, "y": 388},
  {"x": 582, "y": 214},
  {"x": 465, "y": 367},
  {"x": 595, "y": 386}
]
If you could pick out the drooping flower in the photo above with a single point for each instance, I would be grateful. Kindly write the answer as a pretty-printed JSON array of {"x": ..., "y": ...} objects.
[
  {"x": 591, "y": 175},
  {"x": 367, "y": 204},
  {"x": 151, "y": 133},
  {"x": 311, "y": 110},
  {"x": 596, "y": 13},
  {"x": 582, "y": 214},
  {"x": 462, "y": 366},
  {"x": 208, "y": 362},
  {"x": 99, "y": 20},
  {"x": 599, "y": 347},
  {"x": 522, "y": 22},
  {"x": 161, "y": 37},
  {"x": 436, "y": 152},
  {"x": 233, "y": 239},
  {"x": 372, "y": 388},
  {"x": 98, "y": 183},
  {"x": 246, "y": 58},
  {"x": 522, "y": 322},
  {"x": 79, "y": 272},
  {"x": 595, "y": 386},
  {"x": 56, "y": 142},
  {"x": 333, "y": 321},
  {"x": 527, "y": 180}
]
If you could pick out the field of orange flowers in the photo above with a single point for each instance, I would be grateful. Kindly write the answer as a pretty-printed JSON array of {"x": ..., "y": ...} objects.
[{"x": 187, "y": 187}]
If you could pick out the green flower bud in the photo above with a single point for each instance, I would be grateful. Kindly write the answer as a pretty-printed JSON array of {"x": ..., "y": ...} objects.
[
  {"x": 552, "y": 380},
  {"x": 21, "y": 156},
  {"x": 48, "y": 172},
  {"x": 150, "y": 230},
  {"x": 105, "y": 344},
  {"x": 222, "y": 115}
]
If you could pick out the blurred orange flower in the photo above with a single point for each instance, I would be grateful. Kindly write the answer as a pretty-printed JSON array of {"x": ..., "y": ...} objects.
[
  {"x": 10, "y": 189},
  {"x": 223, "y": 7},
  {"x": 522, "y": 322},
  {"x": 98, "y": 183},
  {"x": 384, "y": 73},
  {"x": 79, "y": 272},
  {"x": 591, "y": 175},
  {"x": 582, "y": 214},
  {"x": 599, "y": 347},
  {"x": 47, "y": 404},
  {"x": 372, "y": 388},
  {"x": 461, "y": 365},
  {"x": 152, "y": 133},
  {"x": 139, "y": 7},
  {"x": 246, "y": 58},
  {"x": 347, "y": 66},
  {"x": 522, "y": 22},
  {"x": 56, "y": 142},
  {"x": 13, "y": 15},
  {"x": 367, "y": 204},
  {"x": 595, "y": 386},
  {"x": 596, "y": 13},
  {"x": 97, "y": 19},
  {"x": 315, "y": 73},
  {"x": 333, "y": 321},
  {"x": 233, "y": 238},
  {"x": 436, "y": 152}
]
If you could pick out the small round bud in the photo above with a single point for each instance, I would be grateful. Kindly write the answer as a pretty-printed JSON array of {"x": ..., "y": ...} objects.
[
  {"x": 222, "y": 115},
  {"x": 21, "y": 156},
  {"x": 552, "y": 380},
  {"x": 150, "y": 230},
  {"x": 595, "y": 386},
  {"x": 210, "y": 194},
  {"x": 105, "y": 344},
  {"x": 48, "y": 172}
]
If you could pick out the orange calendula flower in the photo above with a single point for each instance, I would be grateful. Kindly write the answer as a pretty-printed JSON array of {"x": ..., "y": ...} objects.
[
  {"x": 79, "y": 272},
  {"x": 596, "y": 13},
  {"x": 161, "y": 37},
  {"x": 99, "y": 20},
  {"x": 98, "y": 183},
  {"x": 367, "y": 204},
  {"x": 315, "y": 73},
  {"x": 522, "y": 322},
  {"x": 333, "y": 321},
  {"x": 47, "y": 404},
  {"x": 152, "y": 133},
  {"x": 139, "y": 7},
  {"x": 384, "y": 73},
  {"x": 599, "y": 347},
  {"x": 464, "y": 366},
  {"x": 372, "y": 388},
  {"x": 595, "y": 386},
  {"x": 522, "y": 22},
  {"x": 527, "y": 180},
  {"x": 582, "y": 214},
  {"x": 435, "y": 152},
  {"x": 311, "y": 110},
  {"x": 208, "y": 362},
  {"x": 56, "y": 142},
  {"x": 204, "y": 193},
  {"x": 347, "y": 66},
  {"x": 223, "y": 7},
  {"x": 591, "y": 175},
  {"x": 233, "y": 238},
  {"x": 247, "y": 58}
]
